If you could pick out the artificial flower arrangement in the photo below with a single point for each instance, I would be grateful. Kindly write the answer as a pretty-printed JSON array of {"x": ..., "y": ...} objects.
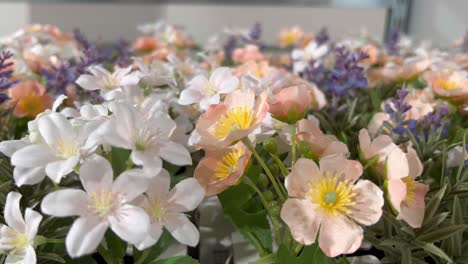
[{"x": 319, "y": 151}]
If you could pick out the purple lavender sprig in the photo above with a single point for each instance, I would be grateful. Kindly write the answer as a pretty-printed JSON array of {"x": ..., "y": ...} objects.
[
  {"x": 436, "y": 122},
  {"x": 397, "y": 109},
  {"x": 124, "y": 53},
  {"x": 315, "y": 72},
  {"x": 392, "y": 42},
  {"x": 5, "y": 74},
  {"x": 322, "y": 37},
  {"x": 58, "y": 78}
]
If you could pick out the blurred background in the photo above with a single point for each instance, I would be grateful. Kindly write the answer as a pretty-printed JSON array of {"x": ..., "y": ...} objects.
[{"x": 437, "y": 20}]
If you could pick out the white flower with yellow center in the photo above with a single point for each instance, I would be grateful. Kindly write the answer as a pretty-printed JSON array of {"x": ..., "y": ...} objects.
[
  {"x": 330, "y": 203},
  {"x": 59, "y": 149},
  {"x": 17, "y": 237},
  {"x": 149, "y": 137},
  {"x": 110, "y": 84},
  {"x": 166, "y": 209},
  {"x": 103, "y": 203},
  {"x": 206, "y": 92},
  {"x": 302, "y": 57}
]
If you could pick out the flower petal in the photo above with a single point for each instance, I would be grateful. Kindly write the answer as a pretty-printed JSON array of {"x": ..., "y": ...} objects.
[
  {"x": 303, "y": 220},
  {"x": 84, "y": 236},
  {"x": 338, "y": 164},
  {"x": 8, "y": 147},
  {"x": 159, "y": 185},
  {"x": 130, "y": 223},
  {"x": 63, "y": 203},
  {"x": 413, "y": 213},
  {"x": 32, "y": 156},
  {"x": 369, "y": 201},
  {"x": 131, "y": 183},
  {"x": 57, "y": 169},
  {"x": 30, "y": 255},
  {"x": 182, "y": 229},
  {"x": 155, "y": 231},
  {"x": 28, "y": 176},
  {"x": 339, "y": 235},
  {"x": 297, "y": 182},
  {"x": 415, "y": 165},
  {"x": 175, "y": 153},
  {"x": 96, "y": 173},
  {"x": 186, "y": 196},
  {"x": 32, "y": 220},
  {"x": 397, "y": 165},
  {"x": 396, "y": 192},
  {"x": 55, "y": 129},
  {"x": 12, "y": 212},
  {"x": 88, "y": 82},
  {"x": 190, "y": 96}
]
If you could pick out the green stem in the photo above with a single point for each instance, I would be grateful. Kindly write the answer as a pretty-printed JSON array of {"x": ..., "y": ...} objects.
[
  {"x": 280, "y": 163},
  {"x": 298, "y": 248},
  {"x": 249, "y": 145},
  {"x": 274, "y": 220},
  {"x": 292, "y": 130},
  {"x": 107, "y": 256},
  {"x": 257, "y": 244},
  {"x": 55, "y": 241},
  {"x": 143, "y": 256}
]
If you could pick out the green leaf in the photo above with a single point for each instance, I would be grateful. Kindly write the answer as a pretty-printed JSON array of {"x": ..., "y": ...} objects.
[
  {"x": 309, "y": 255},
  {"x": 176, "y": 260},
  {"x": 51, "y": 257},
  {"x": 434, "y": 222},
  {"x": 343, "y": 260},
  {"x": 268, "y": 259},
  {"x": 119, "y": 160},
  {"x": 433, "y": 204},
  {"x": 115, "y": 245},
  {"x": 245, "y": 213},
  {"x": 431, "y": 248},
  {"x": 406, "y": 256},
  {"x": 152, "y": 253},
  {"x": 457, "y": 219},
  {"x": 441, "y": 233}
]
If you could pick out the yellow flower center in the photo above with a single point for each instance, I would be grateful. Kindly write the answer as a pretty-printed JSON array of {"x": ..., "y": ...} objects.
[
  {"x": 238, "y": 118},
  {"x": 67, "y": 149},
  {"x": 16, "y": 239},
  {"x": 228, "y": 164},
  {"x": 447, "y": 85},
  {"x": 410, "y": 188},
  {"x": 289, "y": 38},
  {"x": 208, "y": 89},
  {"x": 156, "y": 209},
  {"x": 333, "y": 196},
  {"x": 31, "y": 105},
  {"x": 110, "y": 82},
  {"x": 102, "y": 203}
]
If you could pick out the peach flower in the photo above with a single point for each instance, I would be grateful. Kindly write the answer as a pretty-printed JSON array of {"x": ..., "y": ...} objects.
[
  {"x": 329, "y": 201},
  {"x": 451, "y": 85},
  {"x": 290, "y": 104},
  {"x": 29, "y": 98},
  {"x": 234, "y": 119},
  {"x": 321, "y": 145},
  {"x": 406, "y": 195},
  {"x": 397, "y": 71},
  {"x": 222, "y": 168},
  {"x": 145, "y": 44},
  {"x": 290, "y": 36},
  {"x": 247, "y": 53}
]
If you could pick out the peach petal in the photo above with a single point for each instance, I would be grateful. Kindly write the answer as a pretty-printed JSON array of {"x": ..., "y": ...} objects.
[
  {"x": 302, "y": 173},
  {"x": 339, "y": 235},
  {"x": 369, "y": 202},
  {"x": 397, "y": 164},
  {"x": 413, "y": 213},
  {"x": 396, "y": 193},
  {"x": 338, "y": 164},
  {"x": 302, "y": 219},
  {"x": 414, "y": 163}
]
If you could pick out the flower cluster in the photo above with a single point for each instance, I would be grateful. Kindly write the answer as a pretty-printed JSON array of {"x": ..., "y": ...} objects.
[{"x": 312, "y": 148}]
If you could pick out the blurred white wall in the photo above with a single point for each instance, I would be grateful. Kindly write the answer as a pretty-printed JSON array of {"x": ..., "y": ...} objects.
[
  {"x": 109, "y": 21},
  {"x": 13, "y": 16},
  {"x": 441, "y": 21}
]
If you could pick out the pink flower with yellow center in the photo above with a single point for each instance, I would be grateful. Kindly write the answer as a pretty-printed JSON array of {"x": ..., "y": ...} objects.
[
  {"x": 331, "y": 203},
  {"x": 247, "y": 53},
  {"x": 290, "y": 36},
  {"x": 29, "y": 98},
  {"x": 406, "y": 195},
  {"x": 321, "y": 145},
  {"x": 222, "y": 168},
  {"x": 451, "y": 85},
  {"x": 234, "y": 119}
]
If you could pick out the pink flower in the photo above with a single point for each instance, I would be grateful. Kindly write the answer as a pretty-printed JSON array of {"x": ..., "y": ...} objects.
[
  {"x": 146, "y": 44},
  {"x": 248, "y": 53},
  {"x": 407, "y": 195},
  {"x": 222, "y": 168},
  {"x": 29, "y": 99},
  {"x": 451, "y": 85},
  {"x": 290, "y": 104},
  {"x": 330, "y": 202},
  {"x": 234, "y": 119},
  {"x": 397, "y": 71},
  {"x": 321, "y": 145}
]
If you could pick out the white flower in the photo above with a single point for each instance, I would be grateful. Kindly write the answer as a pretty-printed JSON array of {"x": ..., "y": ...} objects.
[
  {"x": 110, "y": 84},
  {"x": 302, "y": 57},
  {"x": 18, "y": 237},
  {"x": 103, "y": 204},
  {"x": 147, "y": 136},
  {"x": 186, "y": 68},
  {"x": 166, "y": 209},
  {"x": 157, "y": 73},
  {"x": 207, "y": 91},
  {"x": 58, "y": 148},
  {"x": 456, "y": 157}
]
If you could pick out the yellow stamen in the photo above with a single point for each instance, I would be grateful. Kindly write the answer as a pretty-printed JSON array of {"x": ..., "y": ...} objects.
[
  {"x": 228, "y": 164},
  {"x": 447, "y": 84},
  {"x": 102, "y": 202},
  {"x": 156, "y": 209},
  {"x": 67, "y": 149},
  {"x": 17, "y": 240},
  {"x": 333, "y": 195},
  {"x": 238, "y": 118},
  {"x": 110, "y": 82},
  {"x": 410, "y": 188}
]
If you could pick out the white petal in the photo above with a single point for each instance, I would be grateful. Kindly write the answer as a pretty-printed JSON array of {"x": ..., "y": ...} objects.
[
  {"x": 159, "y": 185},
  {"x": 8, "y": 147},
  {"x": 30, "y": 256},
  {"x": 175, "y": 153},
  {"x": 32, "y": 156},
  {"x": 96, "y": 173},
  {"x": 190, "y": 96},
  {"x": 219, "y": 76},
  {"x": 150, "y": 162},
  {"x": 63, "y": 203},
  {"x": 131, "y": 183},
  {"x": 131, "y": 79},
  {"x": 186, "y": 196},
  {"x": 56, "y": 129},
  {"x": 230, "y": 85},
  {"x": 32, "y": 219},
  {"x": 58, "y": 102},
  {"x": 182, "y": 229},
  {"x": 57, "y": 169},
  {"x": 84, "y": 236},
  {"x": 155, "y": 231},
  {"x": 165, "y": 124},
  {"x": 28, "y": 176},
  {"x": 130, "y": 223},
  {"x": 12, "y": 213},
  {"x": 88, "y": 82}
]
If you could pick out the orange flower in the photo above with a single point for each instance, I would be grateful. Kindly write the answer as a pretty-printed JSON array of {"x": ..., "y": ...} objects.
[
  {"x": 451, "y": 85},
  {"x": 29, "y": 98},
  {"x": 145, "y": 44},
  {"x": 224, "y": 124},
  {"x": 222, "y": 168}
]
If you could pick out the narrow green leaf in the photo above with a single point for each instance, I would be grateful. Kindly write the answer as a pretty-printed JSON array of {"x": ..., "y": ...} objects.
[
  {"x": 51, "y": 257},
  {"x": 406, "y": 256},
  {"x": 431, "y": 248},
  {"x": 116, "y": 246},
  {"x": 176, "y": 260},
  {"x": 268, "y": 259},
  {"x": 433, "y": 223},
  {"x": 441, "y": 233},
  {"x": 457, "y": 219},
  {"x": 433, "y": 204}
]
